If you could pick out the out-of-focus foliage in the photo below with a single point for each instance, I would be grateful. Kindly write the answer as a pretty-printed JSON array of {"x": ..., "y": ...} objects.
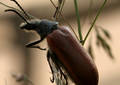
[{"x": 102, "y": 37}]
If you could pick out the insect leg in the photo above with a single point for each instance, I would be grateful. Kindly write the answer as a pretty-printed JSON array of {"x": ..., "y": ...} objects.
[
  {"x": 32, "y": 45},
  {"x": 62, "y": 74},
  {"x": 48, "y": 59},
  {"x": 58, "y": 66}
]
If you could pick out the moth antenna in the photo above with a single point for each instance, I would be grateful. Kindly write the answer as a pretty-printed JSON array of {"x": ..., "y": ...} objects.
[
  {"x": 9, "y": 6},
  {"x": 12, "y": 10},
  {"x": 21, "y": 8}
]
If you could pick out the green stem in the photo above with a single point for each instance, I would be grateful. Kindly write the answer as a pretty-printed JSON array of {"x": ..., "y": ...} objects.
[
  {"x": 78, "y": 19},
  {"x": 94, "y": 22}
]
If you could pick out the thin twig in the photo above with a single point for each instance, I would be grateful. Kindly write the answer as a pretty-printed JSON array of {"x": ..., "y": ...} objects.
[
  {"x": 64, "y": 19},
  {"x": 99, "y": 11},
  {"x": 78, "y": 19}
]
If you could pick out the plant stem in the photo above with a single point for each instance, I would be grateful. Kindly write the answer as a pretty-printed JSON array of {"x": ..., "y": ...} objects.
[
  {"x": 99, "y": 11},
  {"x": 78, "y": 19}
]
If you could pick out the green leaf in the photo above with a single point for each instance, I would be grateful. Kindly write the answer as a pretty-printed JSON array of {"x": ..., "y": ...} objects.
[
  {"x": 105, "y": 46},
  {"x": 97, "y": 43},
  {"x": 90, "y": 51},
  {"x": 78, "y": 19},
  {"x": 97, "y": 34},
  {"x": 106, "y": 33}
]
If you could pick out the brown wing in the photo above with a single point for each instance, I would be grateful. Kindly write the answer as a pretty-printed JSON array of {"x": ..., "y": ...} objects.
[{"x": 71, "y": 54}]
